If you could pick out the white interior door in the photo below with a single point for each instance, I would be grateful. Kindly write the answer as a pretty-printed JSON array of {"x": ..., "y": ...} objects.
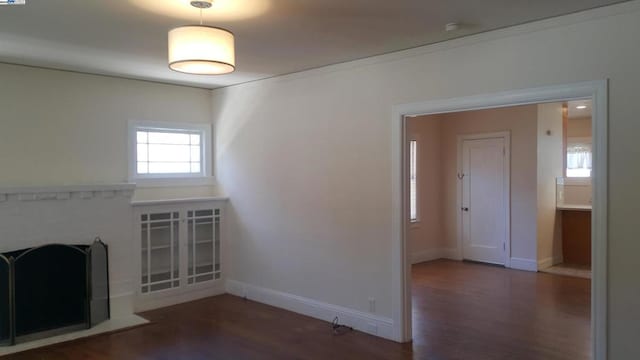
[{"x": 484, "y": 199}]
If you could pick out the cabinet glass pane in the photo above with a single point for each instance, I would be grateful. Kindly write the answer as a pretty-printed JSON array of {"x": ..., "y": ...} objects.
[
  {"x": 160, "y": 251},
  {"x": 216, "y": 238},
  {"x": 144, "y": 260},
  {"x": 190, "y": 247},
  {"x": 201, "y": 246}
]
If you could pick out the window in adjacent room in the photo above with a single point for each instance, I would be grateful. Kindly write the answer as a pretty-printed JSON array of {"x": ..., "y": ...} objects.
[
  {"x": 162, "y": 150},
  {"x": 413, "y": 181},
  {"x": 577, "y": 138},
  {"x": 579, "y": 159}
]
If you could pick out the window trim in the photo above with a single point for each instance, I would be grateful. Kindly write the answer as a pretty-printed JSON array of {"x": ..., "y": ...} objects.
[{"x": 152, "y": 180}]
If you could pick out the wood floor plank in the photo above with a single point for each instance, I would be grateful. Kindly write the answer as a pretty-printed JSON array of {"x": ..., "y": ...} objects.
[{"x": 460, "y": 310}]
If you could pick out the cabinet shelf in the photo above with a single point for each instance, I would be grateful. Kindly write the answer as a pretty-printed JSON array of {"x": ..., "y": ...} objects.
[
  {"x": 200, "y": 222},
  {"x": 208, "y": 263},
  {"x": 200, "y": 242},
  {"x": 157, "y": 247},
  {"x": 160, "y": 271},
  {"x": 157, "y": 227},
  {"x": 201, "y": 265}
]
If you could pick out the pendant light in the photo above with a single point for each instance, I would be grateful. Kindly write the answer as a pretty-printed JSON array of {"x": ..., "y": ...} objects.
[{"x": 200, "y": 49}]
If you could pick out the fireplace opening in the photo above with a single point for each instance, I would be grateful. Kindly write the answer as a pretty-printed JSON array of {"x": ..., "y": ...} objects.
[{"x": 52, "y": 289}]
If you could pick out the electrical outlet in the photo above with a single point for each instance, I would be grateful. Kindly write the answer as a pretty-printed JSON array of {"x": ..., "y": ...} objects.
[{"x": 372, "y": 305}]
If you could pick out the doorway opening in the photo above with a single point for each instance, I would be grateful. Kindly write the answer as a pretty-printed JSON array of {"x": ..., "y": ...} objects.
[{"x": 487, "y": 183}]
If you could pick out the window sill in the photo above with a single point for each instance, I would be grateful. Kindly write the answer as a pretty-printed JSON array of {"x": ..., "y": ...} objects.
[
  {"x": 178, "y": 201},
  {"x": 174, "y": 182}
]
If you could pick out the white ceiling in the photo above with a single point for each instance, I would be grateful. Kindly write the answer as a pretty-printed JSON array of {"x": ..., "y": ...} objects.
[
  {"x": 273, "y": 37},
  {"x": 575, "y": 113}
]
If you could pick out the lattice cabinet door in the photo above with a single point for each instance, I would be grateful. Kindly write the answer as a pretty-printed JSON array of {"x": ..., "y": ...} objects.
[
  {"x": 203, "y": 243},
  {"x": 160, "y": 255}
]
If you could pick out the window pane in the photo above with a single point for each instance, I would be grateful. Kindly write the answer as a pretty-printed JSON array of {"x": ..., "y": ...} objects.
[
  {"x": 142, "y": 152},
  {"x": 168, "y": 138},
  {"x": 168, "y": 153},
  {"x": 142, "y": 137},
  {"x": 413, "y": 185},
  {"x": 195, "y": 153},
  {"x": 579, "y": 160},
  {"x": 143, "y": 168},
  {"x": 168, "y": 168}
]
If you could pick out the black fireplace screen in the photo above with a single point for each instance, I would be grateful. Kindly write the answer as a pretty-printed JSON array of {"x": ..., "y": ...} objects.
[
  {"x": 52, "y": 289},
  {"x": 5, "y": 295}
]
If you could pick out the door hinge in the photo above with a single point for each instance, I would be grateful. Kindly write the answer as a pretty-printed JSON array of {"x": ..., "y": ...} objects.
[
  {"x": 504, "y": 247},
  {"x": 504, "y": 151}
]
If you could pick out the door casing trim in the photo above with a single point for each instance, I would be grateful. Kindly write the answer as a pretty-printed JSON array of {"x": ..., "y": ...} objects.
[{"x": 597, "y": 90}]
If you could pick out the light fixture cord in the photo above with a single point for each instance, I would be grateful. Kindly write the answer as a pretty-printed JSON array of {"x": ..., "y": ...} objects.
[{"x": 200, "y": 16}]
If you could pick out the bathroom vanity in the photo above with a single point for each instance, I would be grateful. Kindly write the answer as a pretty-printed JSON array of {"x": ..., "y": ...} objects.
[{"x": 574, "y": 202}]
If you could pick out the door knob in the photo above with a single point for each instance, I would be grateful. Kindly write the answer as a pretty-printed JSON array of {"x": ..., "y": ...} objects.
[{"x": 465, "y": 209}]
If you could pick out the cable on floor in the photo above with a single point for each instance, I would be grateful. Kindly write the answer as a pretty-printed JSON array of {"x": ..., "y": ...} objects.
[{"x": 339, "y": 329}]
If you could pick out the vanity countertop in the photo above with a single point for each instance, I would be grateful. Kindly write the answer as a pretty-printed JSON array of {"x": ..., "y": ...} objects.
[{"x": 573, "y": 207}]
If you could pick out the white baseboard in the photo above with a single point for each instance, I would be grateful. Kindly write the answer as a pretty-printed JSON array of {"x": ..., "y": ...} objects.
[
  {"x": 426, "y": 255},
  {"x": 451, "y": 253},
  {"x": 435, "y": 254},
  {"x": 557, "y": 260},
  {"x": 523, "y": 264},
  {"x": 144, "y": 303},
  {"x": 549, "y": 262},
  {"x": 359, "y": 320},
  {"x": 545, "y": 263}
]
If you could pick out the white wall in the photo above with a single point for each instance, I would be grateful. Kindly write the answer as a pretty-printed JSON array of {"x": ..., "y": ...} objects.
[
  {"x": 425, "y": 236},
  {"x": 306, "y": 161},
  {"x": 550, "y": 162},
  {"x": 64, "y": 128}
]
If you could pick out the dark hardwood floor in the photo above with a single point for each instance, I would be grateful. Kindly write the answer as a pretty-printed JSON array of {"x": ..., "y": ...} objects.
[
  {"x": 475, "y": 311},
  {"x": 461, "y": 311}
]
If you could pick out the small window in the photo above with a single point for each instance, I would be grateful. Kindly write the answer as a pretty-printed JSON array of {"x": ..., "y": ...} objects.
[
  {"x": 161, "y": 150},
  {"x": 413, "y": 181}
]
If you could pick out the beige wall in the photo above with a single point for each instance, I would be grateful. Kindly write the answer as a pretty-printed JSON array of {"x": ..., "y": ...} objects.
[
  {"x": 426, "y": 236},
  {"x": 536, "y": 162},
  {"x": 579, "y": 127},
  {"x": 550, "y": 162},
  {"x": 520, "y": 121},
  {"x": 306, "y": 158},
  {"x": 443, "y": 132},
  {"x": 64, "y": 128}
]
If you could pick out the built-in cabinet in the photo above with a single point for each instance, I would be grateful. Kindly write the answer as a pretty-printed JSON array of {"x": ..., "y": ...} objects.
[
  {"x": 573, "y": 200},
  {"x": 576, "y": 237},
  {"x": 180, "y": 252}
]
